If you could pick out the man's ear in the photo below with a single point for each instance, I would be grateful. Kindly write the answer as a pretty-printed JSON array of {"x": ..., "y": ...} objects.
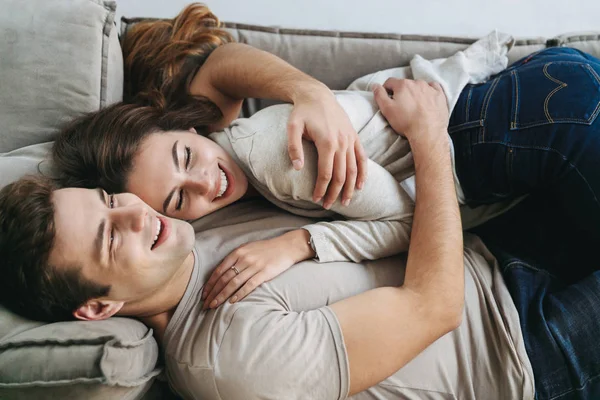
[
  {"x": 193, "y": 130},
  {"x": 96, "y": 310}
]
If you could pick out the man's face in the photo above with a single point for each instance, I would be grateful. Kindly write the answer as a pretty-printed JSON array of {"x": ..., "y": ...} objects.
[{"x": 120, "y": 241}]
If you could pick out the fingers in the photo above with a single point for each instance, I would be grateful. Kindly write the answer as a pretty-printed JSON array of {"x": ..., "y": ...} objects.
[
  {"x": 250, "y": 285},
  {"x": 436, "y": 86},
  {"x": 361, "y": 158},
  {"x": 394, "y": 84},
  {"x": 218, "y": 287},
  {"x": 326, "y": 158},
  {"x": 382, "y": 98},
  {"x": 351, "y": 176},
  {"x": 338, "y": 179},
  {"x": 295, "y": 130},
  {"x": 225, "y": 265},
  {"x": 230, "y": 287}
]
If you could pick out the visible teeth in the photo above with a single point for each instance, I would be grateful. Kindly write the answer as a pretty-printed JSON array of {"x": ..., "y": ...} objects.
[
  {"x": 224, "y": 183},
  {"x": 158, "y": 226}
]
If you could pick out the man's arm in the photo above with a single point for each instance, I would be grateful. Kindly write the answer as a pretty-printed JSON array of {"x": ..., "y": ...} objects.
[
  {"x": 239, "y": 71},
  {"x": 236, "y": 71},
  {"x": 385, "y": 328}
]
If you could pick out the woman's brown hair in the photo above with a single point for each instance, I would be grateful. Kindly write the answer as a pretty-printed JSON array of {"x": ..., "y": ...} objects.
[
  {"x": 163, "y": 56},
  {"x": 98, "y": 149}
]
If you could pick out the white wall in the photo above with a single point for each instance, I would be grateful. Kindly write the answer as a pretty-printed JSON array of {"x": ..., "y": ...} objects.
[{"x": 451, "y": 17}]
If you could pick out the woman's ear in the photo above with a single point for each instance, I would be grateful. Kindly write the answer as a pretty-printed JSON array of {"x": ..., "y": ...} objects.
[
  {"x": 193, "y": 130},
  {"x": 96, "y": 310}
]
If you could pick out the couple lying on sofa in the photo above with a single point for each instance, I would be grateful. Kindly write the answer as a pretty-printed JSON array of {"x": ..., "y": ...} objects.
[{"x": 448, "y": 327}]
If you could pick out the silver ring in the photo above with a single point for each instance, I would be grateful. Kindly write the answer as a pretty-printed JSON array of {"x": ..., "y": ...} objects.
[{"x": 237, "y": 272}]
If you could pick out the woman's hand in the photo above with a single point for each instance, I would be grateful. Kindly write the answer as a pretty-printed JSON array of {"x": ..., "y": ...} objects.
[
  {"x": 318, "y": 117},
  {"x": 254, "y": 263},
  {"x": 416, "y": 108}
]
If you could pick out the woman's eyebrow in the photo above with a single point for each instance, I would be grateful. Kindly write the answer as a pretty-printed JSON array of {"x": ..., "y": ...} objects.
[{"x": 176, "y": 162}]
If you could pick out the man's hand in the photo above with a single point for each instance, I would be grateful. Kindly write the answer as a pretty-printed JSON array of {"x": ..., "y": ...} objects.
[
  {"x": 415, "y": 107},
  {"x": 318, "y": 117},
  {"x": 235, "y": 71}
]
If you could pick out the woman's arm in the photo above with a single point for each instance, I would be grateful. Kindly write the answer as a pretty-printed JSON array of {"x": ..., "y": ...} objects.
[{"x": 236, "y": 71}]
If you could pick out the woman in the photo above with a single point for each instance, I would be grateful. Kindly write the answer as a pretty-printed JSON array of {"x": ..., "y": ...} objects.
[
  {"x": 196, "y": 176},
  {"x": 190, "y": 61}
]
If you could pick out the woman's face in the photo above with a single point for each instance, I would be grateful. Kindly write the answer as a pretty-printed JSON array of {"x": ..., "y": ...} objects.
[{"x": 184, "y": 175}]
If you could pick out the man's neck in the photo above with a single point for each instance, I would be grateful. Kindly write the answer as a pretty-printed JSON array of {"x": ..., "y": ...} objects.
[{"x": 166, "y": 301}]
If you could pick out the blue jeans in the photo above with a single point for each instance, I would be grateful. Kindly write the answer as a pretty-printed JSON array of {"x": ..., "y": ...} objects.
[{"x": 534, "y": 129}]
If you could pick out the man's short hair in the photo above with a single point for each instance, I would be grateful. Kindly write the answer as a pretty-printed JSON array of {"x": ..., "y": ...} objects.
[{"x": 29, "y": 285}]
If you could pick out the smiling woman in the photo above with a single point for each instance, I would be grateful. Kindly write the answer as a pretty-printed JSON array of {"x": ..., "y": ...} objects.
[
  {"x": 201, "y": 179},
  {"x": 86, "y": 159}
]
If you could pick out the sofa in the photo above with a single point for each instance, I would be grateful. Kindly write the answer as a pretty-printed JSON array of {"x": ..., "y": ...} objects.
[{"x": 62, "y": 58}]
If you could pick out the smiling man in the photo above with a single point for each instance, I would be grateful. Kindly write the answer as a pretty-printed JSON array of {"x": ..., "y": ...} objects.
[{"x": 318, "y": 331}]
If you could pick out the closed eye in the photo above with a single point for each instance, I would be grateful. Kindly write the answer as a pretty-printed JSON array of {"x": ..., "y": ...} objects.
[
  {"x": 188, "y": 157},
  {"x": 180, "y": 200}
]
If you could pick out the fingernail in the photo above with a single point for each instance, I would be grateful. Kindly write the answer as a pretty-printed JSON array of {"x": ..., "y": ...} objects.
[
  {"x": 297, "y": 164},
  {"x": 213, "y": 304},
  {"x": 359, "y": 185},
  {"x": 317, "y": 199},
  {"x": 346, "y": 202},
  {"x": 233, "y": 299},
  {"x": 327, "y": 206}
]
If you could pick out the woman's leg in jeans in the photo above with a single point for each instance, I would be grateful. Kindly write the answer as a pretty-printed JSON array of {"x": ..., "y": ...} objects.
[
  {"x": 535, "y": 129},
  {"x": 561, "y": 326}
]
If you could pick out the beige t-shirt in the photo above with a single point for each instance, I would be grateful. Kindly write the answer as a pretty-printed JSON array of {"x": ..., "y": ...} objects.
[
  {"x": 378, "y": 221},
  {"x": 284, "y": 342}
]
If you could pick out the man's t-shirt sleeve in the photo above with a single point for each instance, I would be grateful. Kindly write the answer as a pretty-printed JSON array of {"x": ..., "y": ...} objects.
[{"x": 279, "y": 354}]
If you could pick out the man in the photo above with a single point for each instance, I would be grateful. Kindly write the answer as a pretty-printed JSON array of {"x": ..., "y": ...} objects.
[{"x": 317, "y": 331}]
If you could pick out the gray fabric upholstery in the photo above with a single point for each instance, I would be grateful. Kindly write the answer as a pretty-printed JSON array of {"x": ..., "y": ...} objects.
[
  {"x": 117, "y": 351},
  {"x": 58, "y": 59}
]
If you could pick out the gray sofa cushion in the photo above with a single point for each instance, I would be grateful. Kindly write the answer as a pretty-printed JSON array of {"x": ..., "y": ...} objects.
[
  {"x": 58, "y": 59},
  {"x": 95, "y": 360}
]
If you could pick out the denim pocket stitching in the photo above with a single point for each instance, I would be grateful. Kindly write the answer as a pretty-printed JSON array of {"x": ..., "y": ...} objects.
[
  {"x": 593, "y": 72},
  {"x": 561, "y": 84},
  {"x": 593, "y": 75}
]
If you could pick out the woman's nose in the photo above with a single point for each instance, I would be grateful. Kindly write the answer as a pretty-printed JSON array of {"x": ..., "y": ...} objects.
[{"x": 199, "y": 184}]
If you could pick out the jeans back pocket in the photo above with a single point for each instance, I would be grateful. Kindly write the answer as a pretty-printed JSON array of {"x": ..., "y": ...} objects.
[{"x": 554, "y": 92}]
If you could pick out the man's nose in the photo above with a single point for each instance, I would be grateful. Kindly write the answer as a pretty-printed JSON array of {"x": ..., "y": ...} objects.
[{"x": 130, "y": 217}]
